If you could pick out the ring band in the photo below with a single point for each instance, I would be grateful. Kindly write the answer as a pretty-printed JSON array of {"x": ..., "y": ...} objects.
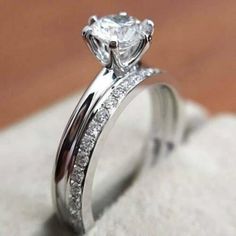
[{"x": 111, "y": 91}]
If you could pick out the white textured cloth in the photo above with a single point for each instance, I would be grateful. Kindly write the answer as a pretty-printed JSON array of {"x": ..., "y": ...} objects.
[{"x": 190, "y": 193}]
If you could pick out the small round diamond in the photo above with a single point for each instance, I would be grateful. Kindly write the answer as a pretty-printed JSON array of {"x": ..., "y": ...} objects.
[
  {"x": 132, "y": 81},
  {"x": 74, "y": 207},
  {"x": 110, "y": 103},
  {"x": 102, "y": 115},
  {"x": 94, "y": 129},
  {"x": 87, "y": 143},
  {"x": 74, "y": 204},
  {"x": 82, "y": 160},
  {"x": 147, "y": 72},
  {"x": 125, "y": 85},
  {"x": 77, "y": 176},
  {"x": 74, "y": 213},
  {"x": 118, "y": 92},
  {"x": 75, "y": 189},
  {"x": 138, "y": 78},
  {"x": 78, "y": 168},
  {"x": 75, "y": 218}
]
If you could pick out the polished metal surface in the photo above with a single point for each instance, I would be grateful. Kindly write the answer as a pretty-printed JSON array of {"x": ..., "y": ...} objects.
[{"x": 112, "y": 90}]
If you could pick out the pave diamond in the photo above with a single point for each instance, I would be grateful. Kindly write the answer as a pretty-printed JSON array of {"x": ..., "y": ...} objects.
[
  {"x": 74, "y": 204},
  {"x": 74, "y": 213},
  {"x": 75, "y": 189},
  {"x": 110, "y": 103},
  {"x": 77, "y": 176},
  {"x": 78, "y": 168},
  {"x": 82, "y": 159},
  {"x": 138, "y": 78},
  {"x": 126, "y": 85},
  {"x": 102, "y": 115},
  {"x": 118, "y": 92},
  {"x": 132, "y": 82},
  {"x": 94, "y": 129},
  {"x": 87, "y": 143}
]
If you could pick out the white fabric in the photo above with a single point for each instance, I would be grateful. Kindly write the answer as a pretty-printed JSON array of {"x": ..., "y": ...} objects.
[{"x": 190, "y": 193}]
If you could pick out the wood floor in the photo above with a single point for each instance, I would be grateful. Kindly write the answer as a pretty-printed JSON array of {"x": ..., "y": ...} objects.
[{"x": 43, "y": 58}]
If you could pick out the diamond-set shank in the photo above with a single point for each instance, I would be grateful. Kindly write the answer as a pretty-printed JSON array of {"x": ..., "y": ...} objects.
[
  {"x": 91, "y": 134},
  {"x": 75, "y": 158}
]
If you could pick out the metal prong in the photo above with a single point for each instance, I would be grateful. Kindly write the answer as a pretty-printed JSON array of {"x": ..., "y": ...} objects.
[
  {"x": 143, "y": 46},
  {"x": 148, "y": 27},
  {"x": 150, "y": 22},
  {"x": 92, "y": 19},
  {"x": 114, "y": 61},
  {"x": 113, "y": 45},
  {"x": 149, "y": 38},
  {"x": 86, "y": 31},
  {"x": 123, "y": 13}
]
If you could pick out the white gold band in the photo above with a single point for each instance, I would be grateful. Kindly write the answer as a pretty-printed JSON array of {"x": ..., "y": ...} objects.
[{"x": 95, "y": 114}]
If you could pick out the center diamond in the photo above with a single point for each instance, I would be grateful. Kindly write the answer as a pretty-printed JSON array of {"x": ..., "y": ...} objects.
[
  {"x": 122, "y": 34},
  {"x": 120, "y": 28}
]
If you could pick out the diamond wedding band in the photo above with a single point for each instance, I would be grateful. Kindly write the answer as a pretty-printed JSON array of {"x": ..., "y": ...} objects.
[{"x": 118, "y": 41}]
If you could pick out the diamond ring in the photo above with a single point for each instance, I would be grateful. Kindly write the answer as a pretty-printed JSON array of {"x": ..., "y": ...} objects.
[{"x": 118, "y": 41}]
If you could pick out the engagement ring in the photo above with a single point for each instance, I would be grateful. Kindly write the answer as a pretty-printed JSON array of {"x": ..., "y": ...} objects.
[{"x": 118, "y": 41}]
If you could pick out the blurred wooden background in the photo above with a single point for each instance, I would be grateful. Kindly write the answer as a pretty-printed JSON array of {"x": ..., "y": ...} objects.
[{"x": 43, "y": 58}]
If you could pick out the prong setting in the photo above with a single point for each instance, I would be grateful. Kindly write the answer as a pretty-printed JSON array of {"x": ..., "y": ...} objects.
[
  {"x": 92, "y": 19},
  {"x": 118, "y": 41}
]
